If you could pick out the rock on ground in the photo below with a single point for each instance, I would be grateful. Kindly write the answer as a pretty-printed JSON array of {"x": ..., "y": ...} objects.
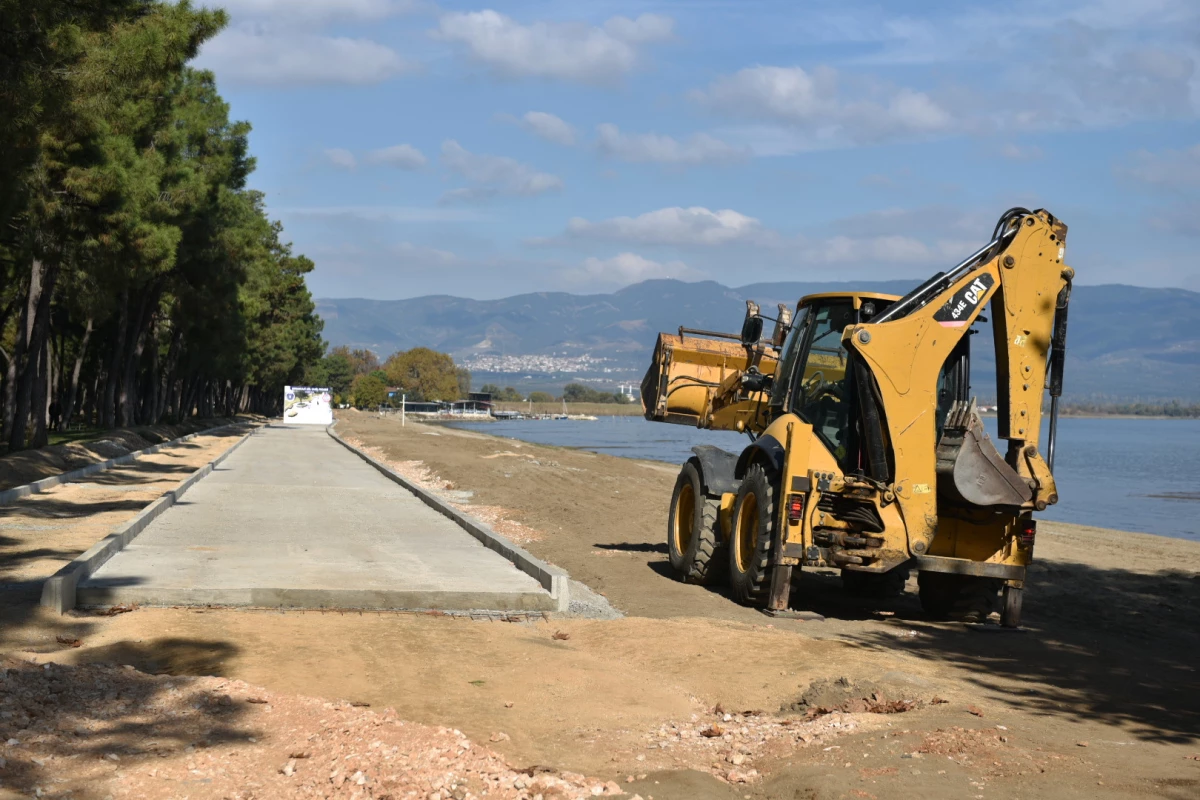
[{"x": 113, "y": 731}]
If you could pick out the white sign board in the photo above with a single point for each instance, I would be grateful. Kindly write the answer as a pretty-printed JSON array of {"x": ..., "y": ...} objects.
[{"x": 307, "y": 405}]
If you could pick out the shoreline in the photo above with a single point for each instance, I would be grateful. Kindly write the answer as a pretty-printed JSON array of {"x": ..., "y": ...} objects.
[{"x": 499, "y": 436}]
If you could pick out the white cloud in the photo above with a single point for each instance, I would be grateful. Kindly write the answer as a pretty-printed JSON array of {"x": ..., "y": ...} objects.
[
  {"x": 868, "y": 249},
  {"x": 1015, "y": 152},
  {"x": 293, "y": 11},
  {"x": 245, "y": 55},
  {"x": 626, "y": 268},
  {"x": 1182, "y": 219},
  {"x": 699, "y": 148},
  {"x": 342, "y": 159},
  {"x": 409, "y": 253},
  {"x": 645, "y": 29},
  {"x": 812, "y": 101},
  {"x": 1094, "y": 78},
  {"x": 877, "y": 180},
  {"x": 673, "y": 226},
  {"x": 400, "y": 156},
  {"x": 568, "y": 51},
  {"x": 936, "y": 219},
  {"x": 548, "y": 127},
  {"x": 493, "y": 175},
  {"x": 1170, "y": 168}
]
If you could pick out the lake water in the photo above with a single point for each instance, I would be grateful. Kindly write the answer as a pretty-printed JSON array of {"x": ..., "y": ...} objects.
[{"x": 1129, "y": 474}]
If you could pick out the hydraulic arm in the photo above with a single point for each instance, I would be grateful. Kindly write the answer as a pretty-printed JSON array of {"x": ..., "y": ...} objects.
[{"x": 1020, "y": 273}]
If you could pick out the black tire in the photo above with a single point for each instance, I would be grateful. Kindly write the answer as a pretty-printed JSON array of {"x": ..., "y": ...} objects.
[
  {"x": 693, "y": 529},
  {"x": 939, "y": 592},
  {"x": 708, "y": 550},
  {"x": 750, "y": 540},
  {"x": 961, "y": 596},
  {"x": 875, "y": 585}
]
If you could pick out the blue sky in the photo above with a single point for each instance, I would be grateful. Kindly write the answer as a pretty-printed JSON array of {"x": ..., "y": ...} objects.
[{"x": 413, "y": 148}]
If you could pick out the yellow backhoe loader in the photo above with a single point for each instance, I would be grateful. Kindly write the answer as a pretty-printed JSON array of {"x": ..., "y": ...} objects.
[{"x": 867, "y": 450}]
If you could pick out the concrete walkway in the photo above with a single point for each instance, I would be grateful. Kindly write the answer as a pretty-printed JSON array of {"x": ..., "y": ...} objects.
[{"x": 294, "y": 519}]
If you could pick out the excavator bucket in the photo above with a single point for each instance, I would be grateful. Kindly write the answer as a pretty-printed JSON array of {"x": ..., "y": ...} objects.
[{"x": 970, "y": 469}]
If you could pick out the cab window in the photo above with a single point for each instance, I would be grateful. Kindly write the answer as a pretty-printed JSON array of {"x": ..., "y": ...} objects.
[
  {"x": 792, "y": 346},
  {"x": 821, "y": 394}
]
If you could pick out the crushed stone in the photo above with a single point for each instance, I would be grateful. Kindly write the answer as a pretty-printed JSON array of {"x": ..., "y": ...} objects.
[{"x": 104, "y": 730}]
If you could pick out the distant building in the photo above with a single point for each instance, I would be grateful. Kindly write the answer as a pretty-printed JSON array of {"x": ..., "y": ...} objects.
[{"x": 473, "y": 405}]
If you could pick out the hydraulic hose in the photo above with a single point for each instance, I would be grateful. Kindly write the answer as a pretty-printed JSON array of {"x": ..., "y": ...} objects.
[{"x": 1058, "y": 357}]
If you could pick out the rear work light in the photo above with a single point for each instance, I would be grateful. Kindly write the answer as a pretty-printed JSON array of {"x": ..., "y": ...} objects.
[
  {"x": 1026, "y": 532},
  {"x": 795, "y": 507}
]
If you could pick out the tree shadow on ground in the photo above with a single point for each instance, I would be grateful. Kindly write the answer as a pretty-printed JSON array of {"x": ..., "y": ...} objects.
[
  {"x": 122, "y": 701},
  {"x": 139, "y": 472},
  {"x": 17, "y": 558},
  {"x": 27, "y": 466},
  {"x": 1103, "y": 644},
  {"x": 1109, "y": 645},
  {"x": 63, "y": 509}
]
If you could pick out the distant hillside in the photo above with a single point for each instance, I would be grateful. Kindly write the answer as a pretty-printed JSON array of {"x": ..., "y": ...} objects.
[{"x": 1125, "y": 341}]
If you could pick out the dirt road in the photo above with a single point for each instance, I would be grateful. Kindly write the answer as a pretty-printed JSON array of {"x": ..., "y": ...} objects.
[{"x": 1099, "y": 698}]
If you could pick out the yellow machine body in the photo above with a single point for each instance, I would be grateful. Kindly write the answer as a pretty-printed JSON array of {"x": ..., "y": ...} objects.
[{"x": 864, "y": 421}]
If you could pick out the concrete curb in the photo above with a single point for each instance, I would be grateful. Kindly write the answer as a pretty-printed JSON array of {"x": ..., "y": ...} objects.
[
  {"x": 553, "y": 579},
  {"x": 17, "y": 492},
  {"x": 58, "y": 592}
]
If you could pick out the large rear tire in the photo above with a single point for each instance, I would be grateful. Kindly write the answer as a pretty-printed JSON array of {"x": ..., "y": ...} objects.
[
  {"x": 751, "y": 538},
  {"x": 961, "y": 596},
  {"x": 939, "y": 592},
  {"x": 875, "y": 585},
  {"x": 693, "y": 529}
]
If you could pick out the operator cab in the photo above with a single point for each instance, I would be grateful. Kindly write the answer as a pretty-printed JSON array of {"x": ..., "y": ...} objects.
[{"x": 813, "y": 379}]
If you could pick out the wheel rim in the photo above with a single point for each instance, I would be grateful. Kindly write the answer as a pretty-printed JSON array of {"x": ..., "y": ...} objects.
[
  {"x": 685, "y": 515},
  {"x": 747, "y": 532}
]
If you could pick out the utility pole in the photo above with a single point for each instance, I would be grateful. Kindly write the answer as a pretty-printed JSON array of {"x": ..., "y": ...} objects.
[{"x": 403, "y": 399}]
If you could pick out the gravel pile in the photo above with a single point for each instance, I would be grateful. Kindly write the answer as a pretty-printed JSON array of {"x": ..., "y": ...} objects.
[
  {"x": 108, "y": 731},
  {"x": 732, "y": 743}
]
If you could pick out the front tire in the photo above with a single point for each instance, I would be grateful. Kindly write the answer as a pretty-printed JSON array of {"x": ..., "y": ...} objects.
[
  {"x": 751, "y": 538},
  {"x": 693, "y": 529}
]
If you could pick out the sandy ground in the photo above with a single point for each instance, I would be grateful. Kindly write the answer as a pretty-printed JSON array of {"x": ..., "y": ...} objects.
[
  {"x": 689, "y": 695},
  {"x": 41, "y": 532},
  {"x": 27, "y": 466}
]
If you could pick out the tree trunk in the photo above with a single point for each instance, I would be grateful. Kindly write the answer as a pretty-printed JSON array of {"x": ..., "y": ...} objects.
[
  {"x": 42, "y": 393},
  {"x": 188, "y": 401},
  {"x": 41, "y": 288},
  {"x": 150, "y": 389},
  {"x": 108, "y": 406},
  {"x": 127, "y": 376},
  {"x": 73, "y": 389},
  {"x": 24, "y": 331},
  {"x": 170, "y": 395}
]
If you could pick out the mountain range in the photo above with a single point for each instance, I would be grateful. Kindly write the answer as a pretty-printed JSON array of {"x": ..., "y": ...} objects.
[{"x": 1124, "y": 342}]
